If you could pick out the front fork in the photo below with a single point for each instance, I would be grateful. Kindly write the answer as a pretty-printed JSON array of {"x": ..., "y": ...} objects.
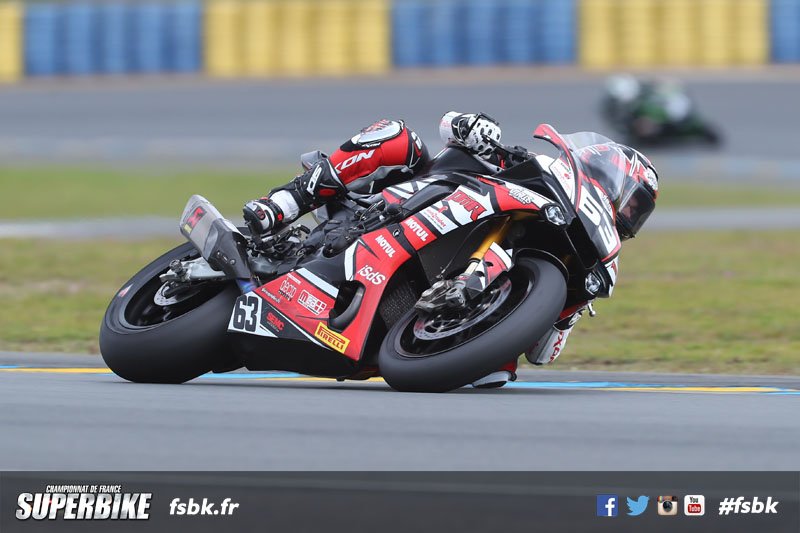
[{"x": 487, "y": 262}]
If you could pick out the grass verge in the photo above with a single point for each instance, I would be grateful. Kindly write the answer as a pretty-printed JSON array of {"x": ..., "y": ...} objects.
[
  {"x": 704, "y": 302},
  {"x": 58, "y": 192}
]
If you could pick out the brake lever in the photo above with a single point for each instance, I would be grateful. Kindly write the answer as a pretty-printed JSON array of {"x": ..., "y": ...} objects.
[{"x": 519, "y": 152}]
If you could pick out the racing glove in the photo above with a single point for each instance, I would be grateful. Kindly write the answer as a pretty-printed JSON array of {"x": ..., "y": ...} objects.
[{"x": 469, "y": 130}]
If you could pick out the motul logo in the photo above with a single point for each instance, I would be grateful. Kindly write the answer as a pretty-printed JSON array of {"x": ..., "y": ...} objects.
[
  {"x": 414, "y": 226},
  {"x": 350, "y": 161},
  {"x": 384, "y": 244}
]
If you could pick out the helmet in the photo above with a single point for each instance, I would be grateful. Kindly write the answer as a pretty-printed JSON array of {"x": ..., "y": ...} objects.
[
  {"x": 623, "y": 87},
  {"x": 629, "y": 179}
]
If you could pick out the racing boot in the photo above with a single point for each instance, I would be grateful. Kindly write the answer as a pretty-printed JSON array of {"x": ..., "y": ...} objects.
[
  {"x": 316, "y": 186},
  {"x": 551, "y": 345}
]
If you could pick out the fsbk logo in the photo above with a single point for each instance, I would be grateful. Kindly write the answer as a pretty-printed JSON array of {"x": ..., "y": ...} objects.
[{"x": 473, "y": 207}]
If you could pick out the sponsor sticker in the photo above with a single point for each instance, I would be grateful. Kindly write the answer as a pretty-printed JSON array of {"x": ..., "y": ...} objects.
[
  {"x": 522, "y": 195},
  {"x": 275, "y": 322},
  {"x": 331, "y": 338},
  {"x": 385, "y": 245},
  {"x": 417, "y": 228},
  {"x": 472, "y": 206},
  {"x": 437, "y": 219},
  {"x": 371, "y": 275},
  {"x": 287, "y": 290},
  {"x": 193, "y": 219},
  {"x": 264, "y": 292},
  {"x": 312, "y": 303}
]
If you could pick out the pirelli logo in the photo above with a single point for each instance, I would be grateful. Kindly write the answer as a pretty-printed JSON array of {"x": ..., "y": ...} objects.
[{"x": 331, "y": 338}]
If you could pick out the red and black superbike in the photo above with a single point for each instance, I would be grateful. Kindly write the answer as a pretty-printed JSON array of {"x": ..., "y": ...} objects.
[{"x": 432, "y": 283}]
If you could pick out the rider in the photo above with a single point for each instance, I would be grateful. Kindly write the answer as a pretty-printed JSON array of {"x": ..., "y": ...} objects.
[
  {"x": 388, "y": 152},
  {"x": 646, "y": 107}
]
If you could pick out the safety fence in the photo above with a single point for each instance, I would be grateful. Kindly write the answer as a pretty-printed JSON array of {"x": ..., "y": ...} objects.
[{"x": 342, "y": 37}]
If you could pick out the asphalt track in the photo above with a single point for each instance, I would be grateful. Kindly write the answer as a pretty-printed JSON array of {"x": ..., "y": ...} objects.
[
  {"x": 268, "y": 122},
  {"x": 68, "y": 412}
]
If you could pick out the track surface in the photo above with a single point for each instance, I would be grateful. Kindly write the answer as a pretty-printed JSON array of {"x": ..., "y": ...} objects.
[
  {"x": 262, "y": 121},
  {"x": 75, "y": 415}
]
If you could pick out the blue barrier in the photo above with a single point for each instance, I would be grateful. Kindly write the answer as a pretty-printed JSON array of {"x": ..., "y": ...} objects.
[
  {"x": 517, "y": 31},
  {"x": 80, "y": 38},
  {"x": 41, "y": 35},
  {"x": 148, "y": 38},
  {"x": 114, "y": 38},
  {"x": 445, "y": 33},
  {"x": 556, "y": 31},
  {"x": 183, "y": 37},
  {"x": 408, "y": 47},
  {"x": 408, "y": 33},
  {"x": 785, "y": 34},
  {"x": 481, "y": 32}
]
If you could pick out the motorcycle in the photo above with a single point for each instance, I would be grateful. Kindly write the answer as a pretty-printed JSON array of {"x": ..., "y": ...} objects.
[
  {"x": 660, "y": 116},
  {"x": 431, "y": 283}
]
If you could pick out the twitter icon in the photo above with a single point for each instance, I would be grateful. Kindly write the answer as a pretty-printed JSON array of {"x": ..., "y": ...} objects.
[{"x": 637, "y": 506}]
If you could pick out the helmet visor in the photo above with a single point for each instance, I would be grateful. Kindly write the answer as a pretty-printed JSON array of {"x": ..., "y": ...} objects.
[{"x": 635, "y": 206}]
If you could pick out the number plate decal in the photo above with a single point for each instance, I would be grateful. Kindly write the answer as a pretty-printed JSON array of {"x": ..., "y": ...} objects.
[{"x": 246, "y": 316}]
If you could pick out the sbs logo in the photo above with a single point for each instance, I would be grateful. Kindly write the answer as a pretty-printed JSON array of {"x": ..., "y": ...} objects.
[{"x": 371, "y": 275}]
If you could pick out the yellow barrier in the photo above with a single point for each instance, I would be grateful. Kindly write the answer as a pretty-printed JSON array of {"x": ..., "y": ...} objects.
[
  {"x": 596, "y": 22},
  {"x": 223, "y": 43},
  {"x": 643, "y": 33},
  {"x": 372, "y": 34},
  {"x": 297, "y": 37},
  {"x": 677, "y": 41},
  {"x": 751, "y": 27},
  {"x": 715, "y": 32},
  {"x": 637, "y": 31},
  {"x": 334, "y": 36},
  {"x": 260, "y": 44},
  {"x": 10, "y": 41}
]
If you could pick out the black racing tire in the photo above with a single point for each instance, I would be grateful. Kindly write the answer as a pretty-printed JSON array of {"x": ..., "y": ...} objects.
[
  {"x": 173, "y": 351},
  {"x": 536, "y": 310}
]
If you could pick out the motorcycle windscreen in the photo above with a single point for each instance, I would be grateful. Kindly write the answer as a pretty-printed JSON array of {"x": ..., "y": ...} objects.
[{"x": 599, "y": 180}]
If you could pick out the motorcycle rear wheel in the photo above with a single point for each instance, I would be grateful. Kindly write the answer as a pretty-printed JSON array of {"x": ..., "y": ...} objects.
[
  {"x": 445, "y": 359},
  {"x": 144, "y": 342}
]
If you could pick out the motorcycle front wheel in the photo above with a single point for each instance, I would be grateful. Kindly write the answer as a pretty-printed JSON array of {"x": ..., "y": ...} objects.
[
  {"x": 445, "y": 351},
  {"x": 146, "y": 338}
]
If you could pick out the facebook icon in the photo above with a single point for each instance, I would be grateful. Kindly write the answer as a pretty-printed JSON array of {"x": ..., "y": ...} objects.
[{"x": 607, "y": 504}]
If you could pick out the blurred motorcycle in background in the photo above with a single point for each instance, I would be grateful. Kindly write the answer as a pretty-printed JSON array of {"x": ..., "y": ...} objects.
[{"x": 655, "y": 113}]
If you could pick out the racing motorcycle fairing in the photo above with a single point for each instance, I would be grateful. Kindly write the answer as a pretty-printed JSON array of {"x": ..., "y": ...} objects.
[
  {"x": 589, "y": 192},
  {"x": 301, "y": 304},
  {"x": 332, "y": 301}
]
